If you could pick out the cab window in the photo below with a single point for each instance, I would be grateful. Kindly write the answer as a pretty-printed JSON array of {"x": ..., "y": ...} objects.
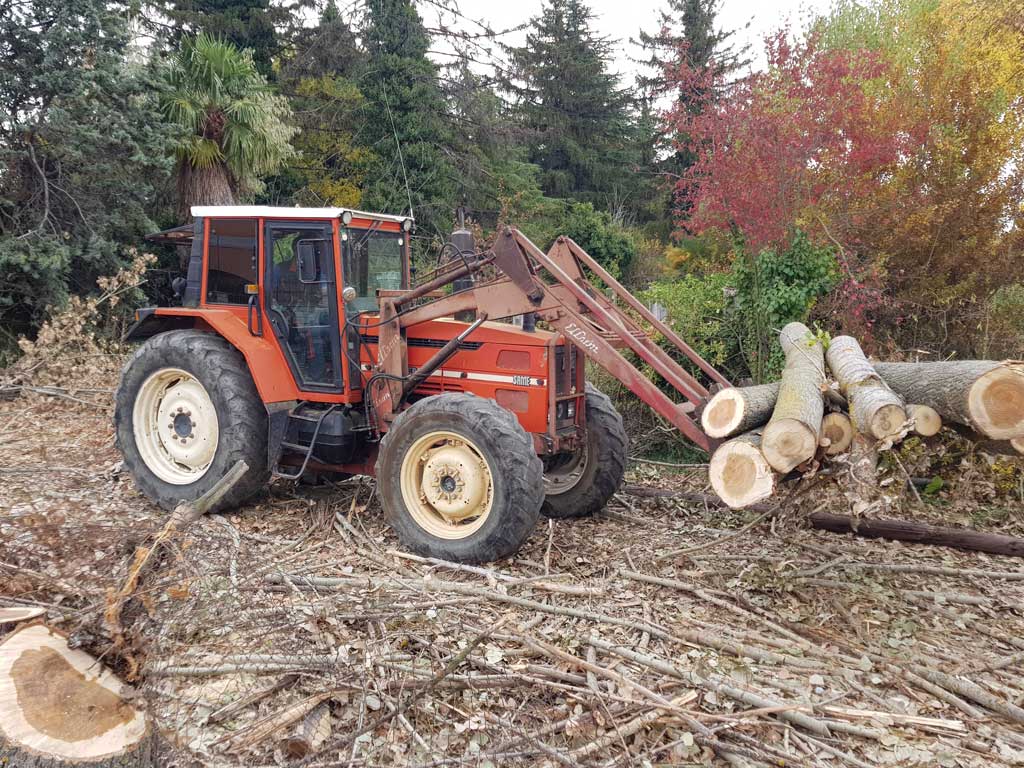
[
  {"x": 233, "y": 260},
  {"x": 373, "y": 260}
]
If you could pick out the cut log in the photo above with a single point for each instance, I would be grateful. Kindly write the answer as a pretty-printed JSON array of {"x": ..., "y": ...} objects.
[
  {"x": 1018, "y": 444},
  {"x": 60, "y": 707},
  {"x": 837, "y": 428},
  {"x": 920, "y": 533},
  {"x": 876, "y": 410},
  {"x": 927, "y": 422},
  {"x": 739, "y": 409},
  {"x": 19, "y": 614},
  {"x": 739, "y": 472},
  {"x": 311, "y": 733},
  {"x": 982, "y": 394},
  {"x": 791, "y": 436}
]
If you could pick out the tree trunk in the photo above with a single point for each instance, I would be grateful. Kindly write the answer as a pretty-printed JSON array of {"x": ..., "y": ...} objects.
[
  {"x": 1018, "y": 444},
  {"x": 313, "y": 730},
  {"x": 982, "y": 394},
  {"x": 792, "y": 434},
  {"x": 876, "y": 410},
  {"x": 920, "y": 533},
  {"x": 739, "y": 472},
  {"x": 739, "y": 409},
  {"x": 862, "y": 489},
  {"x": 927, "y": 421},
  {"x": 61, "y": 707},
  {"x": 837, "y": 428},
  {"x": 203, "y": 186}
]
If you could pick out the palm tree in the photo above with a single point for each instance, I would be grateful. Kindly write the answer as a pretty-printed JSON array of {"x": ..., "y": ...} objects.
[{"x": 234, "y": 130}]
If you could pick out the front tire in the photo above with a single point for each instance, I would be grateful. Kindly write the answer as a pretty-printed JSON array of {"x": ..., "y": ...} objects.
[
  {"x": 579, "y": 485},
  {"x": 186, "y": 410},
  {"x": 459, "y": 479}
]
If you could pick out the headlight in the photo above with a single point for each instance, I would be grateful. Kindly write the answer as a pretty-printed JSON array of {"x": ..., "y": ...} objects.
[
  {"x": 407, "y": 225},
  {"x": 346, "y": 217}
]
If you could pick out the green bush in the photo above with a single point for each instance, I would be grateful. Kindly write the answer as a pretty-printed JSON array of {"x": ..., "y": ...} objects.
[
  {"x": 773, "y": 289},
  {"x": 1003, "y": 328},
  {"x": 601, "y": 236},
  {"x": 698, "y": 309}
]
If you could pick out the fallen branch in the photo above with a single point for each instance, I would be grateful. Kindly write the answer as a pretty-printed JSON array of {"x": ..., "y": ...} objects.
[
  {"x": 147, "y": 557},
  {"x": 920, "y": 533}
]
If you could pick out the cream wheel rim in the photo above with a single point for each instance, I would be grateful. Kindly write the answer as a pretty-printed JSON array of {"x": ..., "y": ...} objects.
[
  {"x": 447, "y": 485},
  {"x": 175, "y": 425}
]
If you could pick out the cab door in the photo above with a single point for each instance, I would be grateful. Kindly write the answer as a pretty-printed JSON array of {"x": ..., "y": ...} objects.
[{"x": 301, "y": 301}]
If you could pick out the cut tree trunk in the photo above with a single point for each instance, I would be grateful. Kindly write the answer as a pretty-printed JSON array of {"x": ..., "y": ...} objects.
[
  {"x": 876, "y": 410},
  {"x": 1018, "y": 444},
  {"x": 739, "y": 409},
  {"x": 739, "y": 472},
  {"x": 920, "y": 533},
  {"x": 60, "y": 707},
  {"x": 927, "y": 421},
  {"x": 982, "y": 394},
  {"x": 837, "y": 428},
  {"x": 311, "y": 733},
  {"x": 791, "y": 436}
]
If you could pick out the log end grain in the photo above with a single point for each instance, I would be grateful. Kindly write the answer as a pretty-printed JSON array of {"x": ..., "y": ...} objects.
[
  {"x": 888, "y": 422},
  {"x": 787, "y": 443},
  {"x": 723, "y": 413},
  {"x": 61, "y": 703},
  {"x": 927, "y": 421},
  {"x": 740, "y": 474},
  {"x": 838, "y": 430},
  {"x": 996, "y": 402}
]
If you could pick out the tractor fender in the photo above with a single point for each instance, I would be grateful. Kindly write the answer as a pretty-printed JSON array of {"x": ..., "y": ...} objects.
[{"x": 266, "y": 363}]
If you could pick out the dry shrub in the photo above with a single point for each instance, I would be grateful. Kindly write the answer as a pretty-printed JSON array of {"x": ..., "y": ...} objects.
[{"x": 78, "y": 348}]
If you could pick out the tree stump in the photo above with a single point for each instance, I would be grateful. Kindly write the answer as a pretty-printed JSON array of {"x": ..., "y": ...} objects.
[{"x": 60, "y": 707}]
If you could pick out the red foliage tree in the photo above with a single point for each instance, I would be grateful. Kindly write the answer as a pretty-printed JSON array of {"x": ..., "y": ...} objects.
[{"x": 805, "y": 136}]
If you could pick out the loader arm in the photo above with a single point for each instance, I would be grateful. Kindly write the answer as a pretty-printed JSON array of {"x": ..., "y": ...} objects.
[{"x": 554, "y": 287}]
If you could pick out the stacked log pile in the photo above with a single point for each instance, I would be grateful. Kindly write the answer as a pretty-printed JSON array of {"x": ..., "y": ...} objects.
[{"x": 834, "y": 405}]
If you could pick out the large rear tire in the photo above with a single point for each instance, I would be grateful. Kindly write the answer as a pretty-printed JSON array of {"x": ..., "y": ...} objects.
[
  {"x": 459, "y": 479},
  {"x": 580, "y": 484},
  {"x": 186, "y": 410}
]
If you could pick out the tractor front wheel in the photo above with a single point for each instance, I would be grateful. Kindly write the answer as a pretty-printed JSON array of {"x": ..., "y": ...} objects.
[
  {"x": 459, "y": 479},
  {"x": 581, "y": 483},
  {"x": 186, "y": 410}
]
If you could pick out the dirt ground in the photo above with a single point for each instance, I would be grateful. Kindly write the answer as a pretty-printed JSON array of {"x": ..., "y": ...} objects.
[{"x": 662, "y": 632}]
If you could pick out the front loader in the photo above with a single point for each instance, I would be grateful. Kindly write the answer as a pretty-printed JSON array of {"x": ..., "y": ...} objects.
[{"x": 303, "y": 346}]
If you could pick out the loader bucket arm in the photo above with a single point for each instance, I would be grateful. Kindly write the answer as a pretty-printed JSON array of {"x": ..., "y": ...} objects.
[{"x": 554, "y": 286}]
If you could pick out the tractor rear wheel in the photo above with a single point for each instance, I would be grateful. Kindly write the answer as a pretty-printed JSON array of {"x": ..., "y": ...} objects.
[
  {"x": 459, "y": 479},
  {"x": 579, "y": 484},
  {"x": 186, "y": 410}
]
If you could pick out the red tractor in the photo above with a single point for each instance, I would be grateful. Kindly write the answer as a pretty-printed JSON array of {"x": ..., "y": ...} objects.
[{"x": 303, "y": 347}]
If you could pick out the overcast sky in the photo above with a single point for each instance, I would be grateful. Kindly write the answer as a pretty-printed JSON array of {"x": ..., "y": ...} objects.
[{"x": 621, "y": 20}]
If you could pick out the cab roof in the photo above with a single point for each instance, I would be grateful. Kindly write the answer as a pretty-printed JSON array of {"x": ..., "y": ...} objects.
[{"x": 283, "y": 212}]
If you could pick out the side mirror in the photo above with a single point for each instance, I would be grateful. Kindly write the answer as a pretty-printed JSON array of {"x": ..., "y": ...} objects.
[{"x": 307, "y": 254}]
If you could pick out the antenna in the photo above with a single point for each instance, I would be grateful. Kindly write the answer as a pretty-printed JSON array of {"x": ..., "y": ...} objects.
[{"x": 398, "y": 145}]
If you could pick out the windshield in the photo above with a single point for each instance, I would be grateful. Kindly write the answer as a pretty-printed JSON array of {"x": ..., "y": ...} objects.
[{"x": 373, "y": 260}]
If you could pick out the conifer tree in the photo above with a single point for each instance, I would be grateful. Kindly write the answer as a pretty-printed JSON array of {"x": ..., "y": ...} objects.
[
  {"x": 577, "y": 117},
  {"x": 404, "y": 119}
]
